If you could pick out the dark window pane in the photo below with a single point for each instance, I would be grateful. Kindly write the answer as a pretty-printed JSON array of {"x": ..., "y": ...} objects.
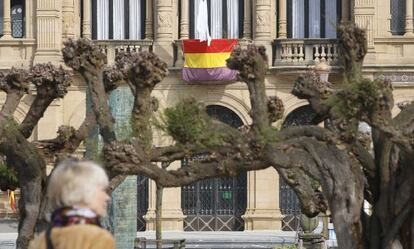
[{"x": 397, "y": 17}]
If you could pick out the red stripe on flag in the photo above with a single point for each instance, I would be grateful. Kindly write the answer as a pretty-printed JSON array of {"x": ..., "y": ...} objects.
[{"x": 216, "y": 46}]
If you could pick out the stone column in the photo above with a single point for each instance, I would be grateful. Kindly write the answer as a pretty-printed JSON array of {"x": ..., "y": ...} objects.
[
  {"x": 172, "y": 215},
  {"x": 263, "y": 32},
  {"x": 49, "y": 31},
  {"x": 6, "y": 20},
  {"x": 68, "y": 18},
  {"x": 29, "y": 22},
  {"x": 345, "y": 10},
  {"x": 86, "y": 22},
  {"x": 149, "y": 33},
  {"x": 185, "y": 20},
  {"x": 164, "y": 27},
  {"x": 282, "y": 28},
  {"x": 409, "y": 18},
  {"x": 247, "y": 25},
  {"x": 263, "y": 212}
]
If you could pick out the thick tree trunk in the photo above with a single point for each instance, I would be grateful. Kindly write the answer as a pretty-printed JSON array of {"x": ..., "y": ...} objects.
[{"x": 31, "y": 173}]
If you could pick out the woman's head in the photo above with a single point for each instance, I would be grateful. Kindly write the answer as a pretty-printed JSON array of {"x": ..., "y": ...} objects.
[{"x": 79, "y": 183}]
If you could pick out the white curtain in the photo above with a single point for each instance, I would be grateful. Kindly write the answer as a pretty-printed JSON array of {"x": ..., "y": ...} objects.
[
  {"x": 196, "y": 7},
  {"x": 330, "y": 18},
  {"x": 315, "y": 18},
  {"x": 135, "y": 32},
  {"x": 298, "y": 19},
  {"x": 102, "y": 10},
  {"x": 233, "y": 18},
  {"x": 201, "y": 21},
  {"x": 216, "y": 18},
  {"x": 118, "y": 20}
]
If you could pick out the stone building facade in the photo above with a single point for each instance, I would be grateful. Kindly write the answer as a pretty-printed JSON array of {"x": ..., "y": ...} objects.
[{"x": 297, "y": 35}]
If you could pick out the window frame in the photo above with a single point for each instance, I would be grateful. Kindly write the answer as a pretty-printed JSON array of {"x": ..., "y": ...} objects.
[
  {"x": 224, "y": 19},
  {"x": 322, "y": 22},
  {"x": 111, "y": 16},
  {"x": 14, "y": 3}
]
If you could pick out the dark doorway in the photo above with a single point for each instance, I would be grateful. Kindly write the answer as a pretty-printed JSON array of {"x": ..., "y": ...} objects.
[{"x": 216, "y": 204}]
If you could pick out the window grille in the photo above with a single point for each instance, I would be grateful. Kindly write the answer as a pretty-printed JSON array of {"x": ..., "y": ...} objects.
[
  {"x": 398, "y": 8},
  {"x": 215, "y": 204}
]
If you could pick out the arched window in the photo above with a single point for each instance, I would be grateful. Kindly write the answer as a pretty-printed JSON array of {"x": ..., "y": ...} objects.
[
  {"x": 215, "y": 204},
  {"x": 398, "y": 8},
  {"x": 312, "y": 18},
  {"x": 225, "y": 18},
  {"x": 118, "y": 19}
]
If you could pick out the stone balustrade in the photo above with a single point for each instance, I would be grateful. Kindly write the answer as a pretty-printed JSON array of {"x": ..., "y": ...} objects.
[
  {"x": 305, "y": 51},
  {"x": 112, "y": 47}
]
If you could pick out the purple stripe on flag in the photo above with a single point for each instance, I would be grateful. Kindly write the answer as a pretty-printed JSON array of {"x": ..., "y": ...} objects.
[{"x": 209, "y": 74}]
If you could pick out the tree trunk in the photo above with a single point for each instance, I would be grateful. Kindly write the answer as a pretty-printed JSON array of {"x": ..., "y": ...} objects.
[{"x": 158, "y": 216}]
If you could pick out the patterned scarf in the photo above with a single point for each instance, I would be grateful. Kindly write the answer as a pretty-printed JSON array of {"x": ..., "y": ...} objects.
[{"x": 68, "y": 216}]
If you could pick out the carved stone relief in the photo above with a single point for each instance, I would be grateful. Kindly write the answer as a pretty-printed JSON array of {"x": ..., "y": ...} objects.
[{"x": 395, "y": 77}]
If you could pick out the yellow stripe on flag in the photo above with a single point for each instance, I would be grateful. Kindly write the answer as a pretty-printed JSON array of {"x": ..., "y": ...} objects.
[{"x": 206, "y": 60}]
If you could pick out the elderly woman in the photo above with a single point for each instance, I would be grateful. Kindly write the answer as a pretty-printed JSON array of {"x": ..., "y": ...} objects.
[{"x": 77, "y": 194}]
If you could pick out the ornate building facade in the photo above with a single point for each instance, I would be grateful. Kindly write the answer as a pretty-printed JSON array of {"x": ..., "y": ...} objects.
[{"x": 297, "y": 35}]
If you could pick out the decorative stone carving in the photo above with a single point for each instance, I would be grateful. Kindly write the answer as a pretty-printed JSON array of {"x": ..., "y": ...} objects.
[
  {"x": 68, "y": 28},
  {"x": 263, "y": 18},
  {"x": 367, "y": 22},
  {"x": 164, "y": 20},
  {"x": 396, "y": 77}
]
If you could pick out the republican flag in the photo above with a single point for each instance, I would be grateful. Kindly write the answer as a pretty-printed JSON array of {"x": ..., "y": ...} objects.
[{"x": 208, "y": 63}]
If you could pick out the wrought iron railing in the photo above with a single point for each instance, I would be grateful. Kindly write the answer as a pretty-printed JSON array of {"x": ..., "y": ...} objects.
[
  {"x": 306, "y": 51},
  {"x": 112, "y": 47}
]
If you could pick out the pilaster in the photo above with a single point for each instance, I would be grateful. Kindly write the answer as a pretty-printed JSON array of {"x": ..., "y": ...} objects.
[
  {"x": 30, "y": 19},
  {"x": 6, "y": 20},
  {"x": 263, "y": 32},
  {"x": 185, "y": 20},
  {"x": 345, "y": 10},
  {"x": 282, "y": 28},
  {"x": 49, "y": 31},
  {"x": 247, "y": 24},
  {"x": 263, "y": 212},
  {"x": 68, "y": 18},
  {"x": 262, "y": 20},
  {"x": 149, "y": 32},
  {"x": 364, "y": 15},
  {"x": 164, "y": 25},
  {"x": 409, "y": 18},
  {"x": 383, "y": 19},
  {"x": 86, "y": 22},
  {"x": 172, "y": 215}
]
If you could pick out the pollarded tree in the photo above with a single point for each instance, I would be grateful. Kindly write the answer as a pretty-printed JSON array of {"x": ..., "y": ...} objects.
[{"x": 337, "y": 158}]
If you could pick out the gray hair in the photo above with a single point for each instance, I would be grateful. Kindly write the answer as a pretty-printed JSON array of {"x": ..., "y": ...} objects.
[{"x": 74, "y": 183}]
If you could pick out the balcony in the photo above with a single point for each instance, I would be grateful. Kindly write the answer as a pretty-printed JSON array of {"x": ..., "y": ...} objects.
[
  {"x": 295, "y": 53},
  {"x": 112, "y": 47}
]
